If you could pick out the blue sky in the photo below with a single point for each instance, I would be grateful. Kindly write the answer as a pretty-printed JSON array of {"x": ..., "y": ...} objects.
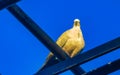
[{"x": 22, "y": 54}]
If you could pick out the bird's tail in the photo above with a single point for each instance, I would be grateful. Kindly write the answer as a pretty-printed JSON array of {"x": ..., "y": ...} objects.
[{"x": 51, "y": 61}]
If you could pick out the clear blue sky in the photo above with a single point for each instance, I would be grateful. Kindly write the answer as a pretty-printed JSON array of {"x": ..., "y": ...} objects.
[{"x": 22, "y": 54}]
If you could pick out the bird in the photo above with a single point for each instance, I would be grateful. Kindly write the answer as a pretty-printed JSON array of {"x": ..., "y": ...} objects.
[{"x": 71, "y": 41}]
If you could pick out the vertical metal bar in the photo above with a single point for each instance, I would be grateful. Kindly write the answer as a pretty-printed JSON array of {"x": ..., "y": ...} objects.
[{"x": 41, "y": 35}]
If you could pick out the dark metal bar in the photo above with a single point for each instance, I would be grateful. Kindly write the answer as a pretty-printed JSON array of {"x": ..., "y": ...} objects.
[
  {"x": 37, "y": 31},
  {"x": 106, "y": 69},
  {"x": 77, "y": 70},
  {"x": 82, "y": 58},
  {"x": 6, "y": 3},
  {"x": 41, "y": 35}
]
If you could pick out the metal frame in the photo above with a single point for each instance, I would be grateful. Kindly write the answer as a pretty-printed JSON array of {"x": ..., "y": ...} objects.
[
  {"x": 106, "y": 69},
  {"x": 41, "y": 36},
  {"x": 7, "y": 3},
  {"x": 65, "y": 61},
  {"x": 82, "y": 58}
]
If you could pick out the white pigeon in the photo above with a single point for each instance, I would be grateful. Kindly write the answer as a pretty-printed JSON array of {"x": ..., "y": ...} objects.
[{"x": 71, "y": 41}]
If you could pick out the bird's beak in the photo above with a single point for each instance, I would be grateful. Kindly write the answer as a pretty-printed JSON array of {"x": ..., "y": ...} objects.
[{"x": 76, "y": 22}]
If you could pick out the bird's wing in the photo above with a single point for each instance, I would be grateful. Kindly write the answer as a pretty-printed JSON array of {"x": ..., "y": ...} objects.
[
  {"x": 60, "y": 42},
  {"x": 80, "y": 45},
  {"x": 63, "y": 39},
  {"x": 75, "y": 52},
  {"x": 50, "y": 60}
]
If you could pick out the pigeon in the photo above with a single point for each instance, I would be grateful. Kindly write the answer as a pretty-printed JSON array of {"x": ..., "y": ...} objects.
[{"x": 71, "y": 41}]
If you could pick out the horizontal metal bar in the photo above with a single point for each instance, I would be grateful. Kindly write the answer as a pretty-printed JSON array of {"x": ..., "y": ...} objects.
[
  {"x": 106, "y": 69},
  {"x": 40, "y": 34},
  {"x": 6, "y": 3},
  {"x": 82, "y": 58}
]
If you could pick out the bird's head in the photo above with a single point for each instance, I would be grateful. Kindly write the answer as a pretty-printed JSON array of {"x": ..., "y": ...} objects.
[{"x": 76, "y": 22}]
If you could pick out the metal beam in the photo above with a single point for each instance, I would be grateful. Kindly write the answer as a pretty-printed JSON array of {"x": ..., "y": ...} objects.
[
  {"x": 82, "y": 58},
  {"x": 36, "y": 31},
  {"x": 41, "y": 35},
  {"x": 106, "y": 69},
  {"x": 7, "y": 3}
]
